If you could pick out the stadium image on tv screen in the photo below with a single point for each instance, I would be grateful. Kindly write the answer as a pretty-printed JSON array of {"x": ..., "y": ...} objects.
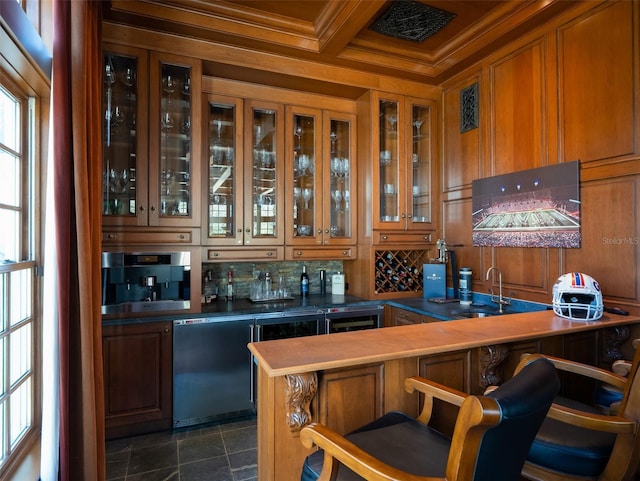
[{"x": 532, "y": 208}]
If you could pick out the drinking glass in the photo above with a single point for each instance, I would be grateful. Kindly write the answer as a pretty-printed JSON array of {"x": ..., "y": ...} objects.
[
  {"x": 336, "y": 195},
  {"x": 307, "y": 193}
]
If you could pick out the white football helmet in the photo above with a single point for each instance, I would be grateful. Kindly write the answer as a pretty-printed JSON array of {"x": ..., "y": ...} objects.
[{"x": 577, "y": 296}]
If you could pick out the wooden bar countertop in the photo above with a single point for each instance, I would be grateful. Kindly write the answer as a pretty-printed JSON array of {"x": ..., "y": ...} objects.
[{"x": 315, "y": 353}]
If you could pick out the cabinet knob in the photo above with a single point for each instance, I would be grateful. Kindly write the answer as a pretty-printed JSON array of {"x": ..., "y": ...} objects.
[
  {"x": 385, "y": 237},
  {"x": 269, "y": 253},
  {"x": 345, "y": 253},
  {"x": 215, "y": 254},
  {"x": 319, "y": 231},
  {"x": 239, "y": 230},
  {"x": 142, "y": 208},
  {"x": 326, "y": 231},
  {"x": 299, "y": 253},
  {"x": 181, "y": 236},
  {"x": 112, "y": 236},
  {"x": 409, "y": 216},
  {"x": 247, "y": 231},
  {"x": 403, "y": 215},
  {"x": 153, "y": 208},
  {"x": 166, "y": 330}
]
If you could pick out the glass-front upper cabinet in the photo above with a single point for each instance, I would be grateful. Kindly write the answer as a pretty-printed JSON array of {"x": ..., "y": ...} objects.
[
  {"x": 420, "y": 172},
  {"x": 390, "y": 129},
  {"x": 174, "y": 141},
  {"x": 264, "y": 173},
  {"x": 404, "y": 163},
  {"x": 304, "y": 166},
  {"x": 339, "y": 178},
  {"x": 320, "y": 163},
  {"x": 124, "y": 113},
  {"x": 224, "y": 192}
]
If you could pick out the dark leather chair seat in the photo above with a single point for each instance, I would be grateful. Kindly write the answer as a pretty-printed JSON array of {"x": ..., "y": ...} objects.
[
  {"x": 385, "y": 439},
  {"x": 572, "y": 449}
]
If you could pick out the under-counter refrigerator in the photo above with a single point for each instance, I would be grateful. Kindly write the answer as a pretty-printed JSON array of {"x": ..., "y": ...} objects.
[{"x": 212, "y": 369}]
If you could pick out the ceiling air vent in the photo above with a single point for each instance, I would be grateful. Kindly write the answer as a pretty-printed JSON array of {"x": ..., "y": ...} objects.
[{"x": 409, "y": 20}]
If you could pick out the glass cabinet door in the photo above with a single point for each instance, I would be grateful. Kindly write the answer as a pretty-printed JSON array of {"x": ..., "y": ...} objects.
[
  {"x": 306, "y": 167},
  {"x": 420, "y": 179},
  {"x": 124, "y": 151},
  {"x": 339, "y": 178},
  {"x": 175, "y": 141},
  {"x": 224, "y": 186},
  {"x": 263, "y": 197},
  {"x": 389, "y": 161}
]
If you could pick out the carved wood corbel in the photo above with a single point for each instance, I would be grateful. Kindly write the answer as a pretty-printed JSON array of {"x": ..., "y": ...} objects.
[
  {"x": 614, "y": 337},
  {"x": 300, "y": 391},
  {"x": 490, "y": 359}
]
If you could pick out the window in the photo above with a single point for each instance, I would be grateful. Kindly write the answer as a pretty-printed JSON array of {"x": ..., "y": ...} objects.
[{"x": 17, "y": 270}]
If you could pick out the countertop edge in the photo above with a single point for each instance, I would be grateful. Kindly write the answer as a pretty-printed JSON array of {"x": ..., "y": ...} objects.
[{"x": 308, "y": 354}]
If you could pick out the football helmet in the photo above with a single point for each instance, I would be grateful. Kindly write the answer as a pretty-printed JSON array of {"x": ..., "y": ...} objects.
[{"x": 577, "y": 296}]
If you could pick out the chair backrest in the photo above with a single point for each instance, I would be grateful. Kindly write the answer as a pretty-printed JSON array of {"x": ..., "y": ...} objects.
[
  {"x": 625, "y": 457},
  {"x": 493, "y": 433}
]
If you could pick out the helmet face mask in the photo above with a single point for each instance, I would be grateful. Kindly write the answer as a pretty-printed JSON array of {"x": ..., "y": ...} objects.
[{"x": 578, "y": 297}]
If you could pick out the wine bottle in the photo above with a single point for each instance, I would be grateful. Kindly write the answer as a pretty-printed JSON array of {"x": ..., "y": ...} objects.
[{"x": 304, "y": 282}]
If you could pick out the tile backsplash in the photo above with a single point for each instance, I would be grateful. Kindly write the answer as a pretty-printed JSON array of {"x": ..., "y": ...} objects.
[{"x": 245, "y": 272}]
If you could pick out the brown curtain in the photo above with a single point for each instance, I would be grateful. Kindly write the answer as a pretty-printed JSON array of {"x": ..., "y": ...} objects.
[{"x": 77, "y": 188}]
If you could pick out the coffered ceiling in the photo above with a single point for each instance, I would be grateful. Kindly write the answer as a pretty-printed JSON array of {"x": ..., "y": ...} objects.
[{"x": 339, "y": 32}]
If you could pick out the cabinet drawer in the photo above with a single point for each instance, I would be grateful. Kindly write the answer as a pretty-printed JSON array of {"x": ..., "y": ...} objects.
[
  {"x": 186, "y": 236},
  {"x": 242, "y": 254},
  {"x": 403, "y": 237},
  {"x": 320, "y": 253}
]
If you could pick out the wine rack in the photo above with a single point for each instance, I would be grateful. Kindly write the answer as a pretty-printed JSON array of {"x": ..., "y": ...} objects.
[{"x": 399, "y": 270}]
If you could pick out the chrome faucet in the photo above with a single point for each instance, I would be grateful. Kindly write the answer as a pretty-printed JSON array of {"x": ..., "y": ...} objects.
[{"x": 500, "y": 300}]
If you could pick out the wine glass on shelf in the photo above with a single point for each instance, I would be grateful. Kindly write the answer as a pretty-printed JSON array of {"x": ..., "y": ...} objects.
[
  {"x": 393, "y": 120},
  {"x": 168, "y": 84},
  {"x": 333, "y": 137},
  {"x": 307, "y": 193},
  {"x": 336, "y": 195},
  {"x": 298, "y": 133},
  {"x": 109, "y": 72},
  {"x": 303, "y": 163},
  {"x": 417, "y": 124}
]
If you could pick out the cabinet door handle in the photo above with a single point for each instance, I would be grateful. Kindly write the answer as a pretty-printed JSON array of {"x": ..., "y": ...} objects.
[
  {"x": 166, "y": 330},
  {"x": 153, "y": 208},
  {"x": 142, "y": 208},
  {"x": 239, "y": 230},
  {"x": 112, "y": 236},
  {"x": 269, "y": 253},
  {"x": 403, "y": 215},
  {"x": 345, "y": 253},
  {"x": 326, "y": 231},
  {"x": 298, "y": 253},
  {"x": 215, "y": 254},
  {"x": 384, "y": 237},
  {"x": 409, "y": 216},
  {"x": 181, "y": 236},
  {"x": 248, "y": 231}
]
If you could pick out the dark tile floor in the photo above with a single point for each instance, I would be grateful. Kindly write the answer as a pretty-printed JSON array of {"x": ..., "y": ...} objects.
[{"x": 215, "y": 452}]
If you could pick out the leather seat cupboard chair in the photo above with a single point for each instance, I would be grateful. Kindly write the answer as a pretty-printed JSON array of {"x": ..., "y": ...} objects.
[
  {"x": 608, "y": 397},
  {"x": 577, "y": 442},
  {"x": 491, "y": 437}
]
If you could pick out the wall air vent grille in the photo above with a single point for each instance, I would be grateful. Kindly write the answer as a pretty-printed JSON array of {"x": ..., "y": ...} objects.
[{"x": 410, "y": 20}]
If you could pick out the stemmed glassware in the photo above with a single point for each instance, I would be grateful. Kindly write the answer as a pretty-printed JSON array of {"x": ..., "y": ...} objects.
[
  {"x": 303, "y": 163},
  {"x": 336, "y": 195},
  {"x": 307, "y": 193},
  {"x": 393, "y": 120},
  {"x": 417, "y": 124}
]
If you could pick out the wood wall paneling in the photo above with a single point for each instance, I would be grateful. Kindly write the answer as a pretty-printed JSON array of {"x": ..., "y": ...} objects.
[
  {"x": 610, "y": 251},
  {"x": 517, "y": 111},
  {"x": 461, "y": 151},
  {"x": 596, "y": 71}
]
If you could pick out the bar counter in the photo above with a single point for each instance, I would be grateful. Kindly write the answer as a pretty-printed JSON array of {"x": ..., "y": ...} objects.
[
  {"x": 347, "y": 379},
  {"x": 305, "y": 354}
]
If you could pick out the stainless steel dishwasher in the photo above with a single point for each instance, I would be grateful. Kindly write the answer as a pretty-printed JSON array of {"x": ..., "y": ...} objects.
[{"x": 212, "y": 369}]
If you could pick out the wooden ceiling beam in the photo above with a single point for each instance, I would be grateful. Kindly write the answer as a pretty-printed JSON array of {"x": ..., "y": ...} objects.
[{"x": 341, "y": 20}]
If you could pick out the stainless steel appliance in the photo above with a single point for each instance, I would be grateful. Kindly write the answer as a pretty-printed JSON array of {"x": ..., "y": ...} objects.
[
  {"x": 353, "y": 318},
  {"x": 212, "y": 369},
  {"x": 145, "y": 281},
  {"x": 283, "y": 325}
]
